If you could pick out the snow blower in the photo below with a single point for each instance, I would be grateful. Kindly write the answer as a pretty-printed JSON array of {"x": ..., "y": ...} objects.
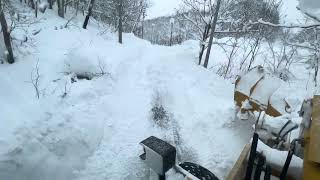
[
  {"x": 257, "y": 161},
  {"x": 267, "y": 161},
  {"x": 160, "y": 156}
]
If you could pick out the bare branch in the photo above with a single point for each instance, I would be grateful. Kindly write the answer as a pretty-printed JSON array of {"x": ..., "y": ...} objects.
[
  {"x": 309, "y": 15},
  {"x": 260, "y": 21},
  {"x": 35, "y": 79}
]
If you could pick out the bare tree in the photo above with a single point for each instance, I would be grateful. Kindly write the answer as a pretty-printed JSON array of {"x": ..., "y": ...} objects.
[
  {"x": 31, "y": 4},
  {"x": 6, "y": 35},
  {"x": 200, "y": 15},
  {"x": 50, "y": 2},
  {"x": 88, "y": 15},
  {"x": 254, "y": 45},
  {"x": 122, "y": 15},
  {"x": 311, "y": 39},
  {"x": 225, "y": 69},
  {"x": 36, "y": 8},
  {"x": 312, "y": 44},
  {"x": 282, "y": 55},
  {"x": 61, "y": 5},
  {"x": 213, "y": 28},
  {"x": 35, "y": 79},
  {"x": 120, "y": 12}
]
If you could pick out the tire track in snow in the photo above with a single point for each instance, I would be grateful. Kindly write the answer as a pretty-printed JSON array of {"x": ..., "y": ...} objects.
[
  {"x": 201, "y": 108},
  {"x": 118, "y": 154}
]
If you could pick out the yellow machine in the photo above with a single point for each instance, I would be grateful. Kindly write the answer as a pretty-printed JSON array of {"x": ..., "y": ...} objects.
[
  {"x": 310, "y": 144},
  {"x": 268, "y": 164},
  {"x": 311, "y": 161}
]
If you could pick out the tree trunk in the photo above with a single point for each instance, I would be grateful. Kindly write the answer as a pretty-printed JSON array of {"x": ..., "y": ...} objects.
[
  {"x": 6, "y": 36},
  {"x": 50, "y": 4},
  {"x": 86, "y": 21},
  {"x": 32, "y": 4},
  {"x": 171, "y": 34},
  {"x": 316, "y": 69},
  {"x": 77, "y": 6},
  {"x": 142, "y": 25},
  {"x": 36, "y": 9},
  {"x": 214, "y": 23},
  {"x": 254, "y": 50},
  {"x": 60, "y": 8},
  {"x": 65, "y": 6},
  {"x": 204, "y": 37},
  {"x": 120, "y": 21}
]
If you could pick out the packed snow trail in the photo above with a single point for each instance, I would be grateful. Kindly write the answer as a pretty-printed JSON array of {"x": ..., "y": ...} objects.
[{"x": 200, "y": 102}]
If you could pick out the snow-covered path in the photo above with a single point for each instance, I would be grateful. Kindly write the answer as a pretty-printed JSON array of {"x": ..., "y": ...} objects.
[{"x": 200, "y": 103}]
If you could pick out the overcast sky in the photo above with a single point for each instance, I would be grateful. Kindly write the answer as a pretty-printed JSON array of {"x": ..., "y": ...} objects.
[
  {"x": 289, "y": 13},
  {"x": 313, "y": 4},
  {"x": 162, "y": 8}
]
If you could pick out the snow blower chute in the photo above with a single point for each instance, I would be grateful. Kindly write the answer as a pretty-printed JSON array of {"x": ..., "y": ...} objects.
[{"x": 256, "y": 90}]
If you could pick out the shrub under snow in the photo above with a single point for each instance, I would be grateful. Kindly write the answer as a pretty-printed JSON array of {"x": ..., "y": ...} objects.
[
  {"x": 83, "y": 63},
  {"x": 159, "y": 115}
]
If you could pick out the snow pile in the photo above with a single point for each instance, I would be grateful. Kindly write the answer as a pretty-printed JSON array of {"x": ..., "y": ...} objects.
[
  {"x": 82, "y": 62},
  {"x": 43, "y": 6}
]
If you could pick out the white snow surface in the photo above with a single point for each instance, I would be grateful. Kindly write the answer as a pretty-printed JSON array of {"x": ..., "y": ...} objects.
[{"x": 90, "y": 130}]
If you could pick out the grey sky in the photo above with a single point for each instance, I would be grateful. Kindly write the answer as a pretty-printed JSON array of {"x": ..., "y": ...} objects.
[
  {"x": 312, "y": 4},
  {"x": 289, "y": 13},
  {"x": 162, "y": 8}
]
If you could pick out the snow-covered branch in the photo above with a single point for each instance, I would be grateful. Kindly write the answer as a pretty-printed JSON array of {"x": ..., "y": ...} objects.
[
  {"x": 260, "y": 21},
  {"x": 309, "y": 14},
  {"x": 193, "y": 22}
]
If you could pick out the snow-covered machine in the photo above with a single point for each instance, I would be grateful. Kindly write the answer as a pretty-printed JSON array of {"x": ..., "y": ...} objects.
[
  {"x": 259, "y": 91},
  {"x": 256, "y": 90},
  {"x": 300, "y": 159},
  {"x": 160, "y": 156},
  {"x": 258, "y": 160}
]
